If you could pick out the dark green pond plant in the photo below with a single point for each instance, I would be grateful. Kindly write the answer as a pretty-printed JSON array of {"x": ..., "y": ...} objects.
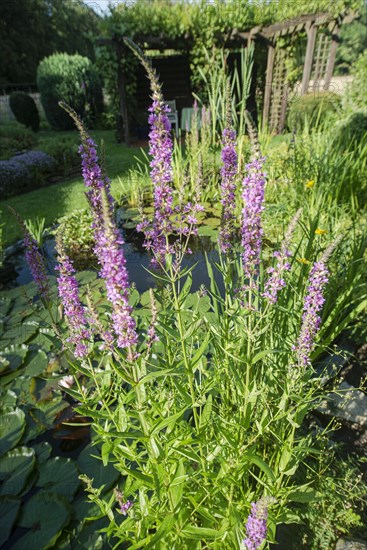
[{"x": 200, "y": 400}]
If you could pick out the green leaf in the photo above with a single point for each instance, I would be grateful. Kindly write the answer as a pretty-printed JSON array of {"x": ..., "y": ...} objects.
[
  {"x": 15, "y": 468},
  {"x": 168, "y": 422},
  {"x": 8, "y": 512},
  {"x": 302, "y": 494},
  {"x": 45, "y": 515},
  {"x": 164, "y": 528},
  {"x": 207, "y": 411},
  {"x": 37, "y": 364},
  {"x": 12, "y": 425},
  {"x": 177, "y": 484},
  {"x": 202, "y": 533},
  {"x": 60, "y": 476}
]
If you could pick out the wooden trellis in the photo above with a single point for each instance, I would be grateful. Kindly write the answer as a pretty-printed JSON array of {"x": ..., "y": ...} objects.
[{"x": 322, "y": 30}]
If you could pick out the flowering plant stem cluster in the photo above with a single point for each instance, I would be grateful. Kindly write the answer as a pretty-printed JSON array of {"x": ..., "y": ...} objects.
[{"x": 197, "y": 398}]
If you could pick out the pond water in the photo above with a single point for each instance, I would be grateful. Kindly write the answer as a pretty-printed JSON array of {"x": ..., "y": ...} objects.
[{"x": 137, "y": 259}]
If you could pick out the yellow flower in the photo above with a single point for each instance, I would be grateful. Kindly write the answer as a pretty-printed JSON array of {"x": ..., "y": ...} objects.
[
  {"x": 310, "y": 184},
  {"x": 303, "y": 261},
  {"x": 319, "y": 231}
]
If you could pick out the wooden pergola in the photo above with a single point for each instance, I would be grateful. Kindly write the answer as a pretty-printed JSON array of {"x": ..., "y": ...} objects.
[{"x": 322, "y": 32}]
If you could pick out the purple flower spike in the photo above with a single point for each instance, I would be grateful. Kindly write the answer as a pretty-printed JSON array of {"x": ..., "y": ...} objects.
[
  {"x": 114, "y": 273},
  {"x": 94, "y": 180},
  {"x": 252, "y": 232},
  {"x": 275, "y": 283},
  {"x": 125, "y": 507},
  {"x": 160, "y": 148},
  {"x": 34, "y": 260},
  {"x": 312, "y": 305},
  {"x": 73, "y": 310},
  {"x": 228, "y": 189},
  {"x": 256, "y": 526}
]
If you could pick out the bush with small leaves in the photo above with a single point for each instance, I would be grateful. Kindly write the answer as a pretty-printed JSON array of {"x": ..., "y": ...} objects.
[{"x": 25, "y": 110}]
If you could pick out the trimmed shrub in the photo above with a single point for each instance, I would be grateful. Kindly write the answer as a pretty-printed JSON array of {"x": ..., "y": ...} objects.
[
  {"x": 314, "y": 107},
  {"x": 15, "y": 138},
  {"x": 24, "y": 172},
  {"x": 64, "y": 150},
  {"x": 14, "y": 178},
  {"x": 25, "y": 110},
  {"x": 73, "y": 79}
]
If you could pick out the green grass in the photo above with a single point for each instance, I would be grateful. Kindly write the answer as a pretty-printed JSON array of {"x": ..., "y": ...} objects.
[{"x": 62, "y": 198}]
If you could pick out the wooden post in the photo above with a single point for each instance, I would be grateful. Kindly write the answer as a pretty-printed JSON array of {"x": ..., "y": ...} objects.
[
  {"x": 307, "y": 68},
  {"x": 120, "y": 50},
  {"x": 268, "y": 83},
  {"x": 331, "y": 59},
  {"x": 283, "y": 111}
]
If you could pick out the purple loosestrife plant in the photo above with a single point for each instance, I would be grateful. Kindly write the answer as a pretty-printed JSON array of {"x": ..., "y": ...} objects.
[
  {"x": 276, "y": 282},
  {"x": 114, "y": 273},
  {"x": 228, "y": 185},
  {"x": 73, "y": 310},
  {"x": 34, "y": 260},
  {"x": 160, "y": 149},
  {"x": 256, "y": 526},
  {"x": 312, "y": 305},
  {"x": 251, "y": 228}
]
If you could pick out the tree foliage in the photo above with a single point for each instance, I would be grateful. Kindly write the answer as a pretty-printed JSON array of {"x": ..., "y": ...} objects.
[{"x": 33, "y": 29}]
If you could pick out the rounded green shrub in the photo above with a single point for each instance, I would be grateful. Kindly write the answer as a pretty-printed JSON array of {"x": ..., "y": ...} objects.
[
  {"x": 25, "y": 110},
  {"x": 73, "y": 79},
  {"x": 313, "y": 107}
]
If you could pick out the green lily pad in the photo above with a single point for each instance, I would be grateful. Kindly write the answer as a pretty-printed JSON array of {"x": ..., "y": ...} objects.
[
  {"x": 205, "y": 231},
  {"x": 59, "y": 475},
  {"x": 132, "y": 212},
  {"x": 86, "y": 277},
  {"x": 12, "y": 425},
  {"x": 8, "y": 512},
  {"x": 90, "y": 464},
  {"x": 15, "y": 355},
  {"x": 43, "y": 451},
  {"x": 212, "y": 222},
  {"x": 45, "y": 514},
  {"x": 37, "y": 364},
  {"x": 8, "y": 400},
  {"x": 42, "y": 418},
  {"x": 129, "y": 225},
  {"x": 15, "y": 468},
  {"x": 5, "y": 304}
]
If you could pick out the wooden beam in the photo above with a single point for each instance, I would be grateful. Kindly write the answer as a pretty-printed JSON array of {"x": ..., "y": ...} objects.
[
  {"x": 307, "y": 68},
  {"x": 268, "y": 83},
  {"x": 331, "y": 58}
]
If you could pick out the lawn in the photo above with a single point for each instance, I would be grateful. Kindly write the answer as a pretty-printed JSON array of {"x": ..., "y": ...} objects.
[{"x": 61, "y": 198}]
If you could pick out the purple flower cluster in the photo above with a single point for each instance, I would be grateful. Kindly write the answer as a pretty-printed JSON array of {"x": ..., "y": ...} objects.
[
  {"x": 34, "y": 260},
  {"x": 312, "y": 305},
  {"x": 36, "y": 159},
  {"x": 125, "y": 507},
  {"x": 256, "y": 526},
  {"x": 114, "y": 272},
  {"x": 228, "y": 189},
  {"x": 275, "y": 283},
  {"x": 14, "y": 176},
  {"x": 251, "y": 230},
  {"x": 94, "y": 180},
  {"x": 160, "y": 149},
  {"x": 73, "y": 309}
]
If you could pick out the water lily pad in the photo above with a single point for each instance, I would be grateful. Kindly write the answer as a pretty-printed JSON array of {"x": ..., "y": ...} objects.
[
  {"x": 59, "y": 475},
  {"x": 45, "y": 514},
  {"x": 15, "y": 356},
  {"x": 86, "y": 277},
  {"x": 90, "y": 463},
  {"x": 211, "y": 222},
  {"x": 129, "y": 225},
  {"x": 8, "y": 512},
  {"x": 12, "y": 425},
  {"x": 132, "y": 212},
  {"x": 42, "y": 418},
  {"x": 5, "y": 304},
  {"x": 15, "y": 468},
  {"x": 205, "y": 231},
  {"x": 37, "y": 364},
  {"x": 43, "y": 451},
  {"x": 8, "y": 400}
]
